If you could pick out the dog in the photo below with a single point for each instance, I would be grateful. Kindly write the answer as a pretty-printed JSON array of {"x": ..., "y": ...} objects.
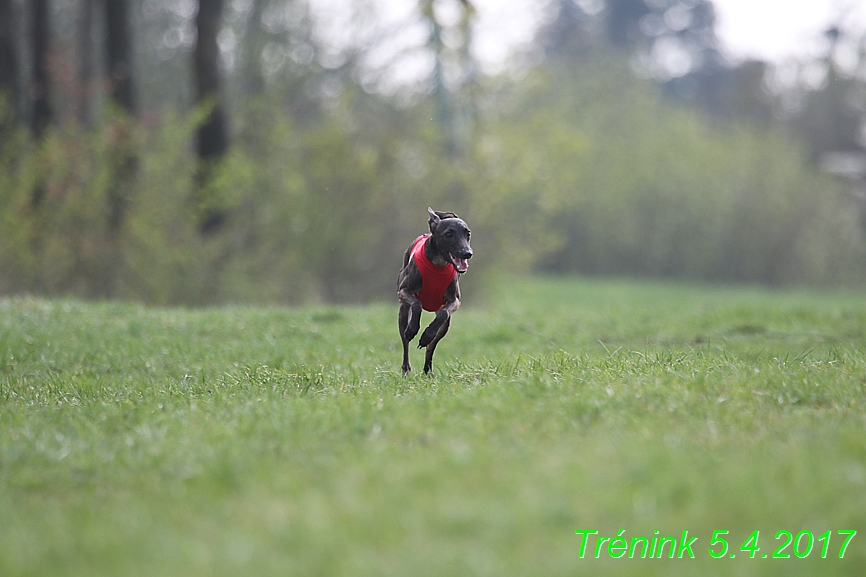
[{"x": 428, "y": 280}]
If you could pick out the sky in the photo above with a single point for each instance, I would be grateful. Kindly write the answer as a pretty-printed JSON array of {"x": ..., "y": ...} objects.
[
  {"x": 778, "y": 29},
  {"x": 772, "y": 30}
]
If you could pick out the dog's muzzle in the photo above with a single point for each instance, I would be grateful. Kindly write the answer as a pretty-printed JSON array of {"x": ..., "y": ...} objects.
[{"x": 461, "y": 263}]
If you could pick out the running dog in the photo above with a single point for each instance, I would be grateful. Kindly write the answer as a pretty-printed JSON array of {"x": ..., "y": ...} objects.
[{"x": 428, "y": 281}]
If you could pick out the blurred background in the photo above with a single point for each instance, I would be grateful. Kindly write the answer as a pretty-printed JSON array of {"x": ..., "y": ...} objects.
[{"x": 285, "y": 151}]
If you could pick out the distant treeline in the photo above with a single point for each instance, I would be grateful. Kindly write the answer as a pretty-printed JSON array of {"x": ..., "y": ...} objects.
[{"x": 567, "y": 162}]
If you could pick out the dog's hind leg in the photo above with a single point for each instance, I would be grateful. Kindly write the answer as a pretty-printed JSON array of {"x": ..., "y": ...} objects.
[
  {"x": 431, "y": 348},
  {"x": 403, "y": 322}
]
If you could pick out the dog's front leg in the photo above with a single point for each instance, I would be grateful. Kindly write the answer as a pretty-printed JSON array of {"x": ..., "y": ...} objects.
[
  {"x": 436, "y": 330},
  {"x": 431, "y": 348},
  {"x": 443, "y": 315}
]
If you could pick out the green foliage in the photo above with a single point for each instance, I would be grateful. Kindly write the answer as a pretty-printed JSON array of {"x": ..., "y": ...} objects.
[
  {"x": 570, "y": 170},
  {"x": 55, "y": 244},
  {"x": 274, "y": 441},
  {"x": 626, "y": 184},
  {"x": 313, "y": 216}
]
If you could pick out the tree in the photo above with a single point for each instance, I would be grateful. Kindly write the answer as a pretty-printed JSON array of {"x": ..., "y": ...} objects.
[
  {"x": 118, "y": 53},
  {"x": 85, "y": 62},
  {"x": 40, "y": 84},
  {"x": 212, "y": 140},
  {"x": 41, "y": 115},
  {"x": 622, "y": 22},
  {"x": 453, "y": 111},
  {"x": 834, "y": 114},
  {"x": 118, "y": 45},
  {"x": 252, "y": 76},
  {"x": 9, "y": 84}
]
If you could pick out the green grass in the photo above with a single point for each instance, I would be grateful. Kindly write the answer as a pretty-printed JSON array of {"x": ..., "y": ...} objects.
[{"x": 273, "y": 441}]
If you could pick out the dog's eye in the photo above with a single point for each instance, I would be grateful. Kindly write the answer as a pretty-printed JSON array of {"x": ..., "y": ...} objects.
[
  {"x": 468, "y": 234},
  {"x": 449, "y": 234}
]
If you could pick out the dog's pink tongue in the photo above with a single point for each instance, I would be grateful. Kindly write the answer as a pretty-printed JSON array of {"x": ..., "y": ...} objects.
[{"x": 461, "y": 264}]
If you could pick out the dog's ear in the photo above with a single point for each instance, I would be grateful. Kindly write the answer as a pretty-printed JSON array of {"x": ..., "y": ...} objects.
[
  {"x": 436, "y": 216},
  {"x": 434, "y": 219}
]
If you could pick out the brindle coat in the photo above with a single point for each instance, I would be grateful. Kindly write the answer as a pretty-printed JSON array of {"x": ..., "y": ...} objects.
[{"x": 448, "y": 243}]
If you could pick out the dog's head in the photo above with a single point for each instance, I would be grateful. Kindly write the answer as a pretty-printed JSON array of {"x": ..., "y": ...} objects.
[{"x": 452, "y": 238}]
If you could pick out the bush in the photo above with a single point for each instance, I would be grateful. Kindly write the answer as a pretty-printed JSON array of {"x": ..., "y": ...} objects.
[
  {"x": 621, "y": 183},
  {"x": 584, "y": 171}
]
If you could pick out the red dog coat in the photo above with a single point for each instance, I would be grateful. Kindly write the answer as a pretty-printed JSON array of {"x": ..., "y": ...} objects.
[{"x": 434, "y": 279}]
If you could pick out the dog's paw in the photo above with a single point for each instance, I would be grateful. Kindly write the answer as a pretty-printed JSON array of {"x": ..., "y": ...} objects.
[{"x": 427, "y": 336}]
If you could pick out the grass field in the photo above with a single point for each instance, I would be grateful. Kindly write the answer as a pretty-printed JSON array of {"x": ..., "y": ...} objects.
[{"x": 273, "y": 441}]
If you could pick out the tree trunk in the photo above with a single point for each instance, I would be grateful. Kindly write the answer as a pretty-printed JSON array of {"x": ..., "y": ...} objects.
[
  {"x": 453, "y": 112},
  {"x": 41, "y": 115},
  {"x": 118, "y": 57},
  {"x": 10, "y": 90},
  {"x": 85, "y": 63},
  {"x": 254, "y": 80},
  {"x": 40, "y": 86},
  {"x": 124, "y": 161},
  {"x": 118, "y": 45},
  {"x": 212, "y": 137}
]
